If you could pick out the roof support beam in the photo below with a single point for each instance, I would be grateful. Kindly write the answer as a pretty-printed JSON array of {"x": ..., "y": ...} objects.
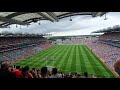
[
  {"x": 102, "y": 13},
  {"x": 12, "y": 21},
  {"x": 15, "y": 14},
  {"x": 95, "y": 14},
  {"x": 43, "y": 15},
  {"x": 53, "y": 16},
  {"x": 73, "y": 14},
  {"x": 3, "y": 26}
]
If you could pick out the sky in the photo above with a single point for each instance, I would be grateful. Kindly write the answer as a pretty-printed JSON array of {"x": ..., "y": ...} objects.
[{"x": 80, "y": 25}]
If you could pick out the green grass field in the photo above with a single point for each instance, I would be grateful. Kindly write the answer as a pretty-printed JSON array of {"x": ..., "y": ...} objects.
[{"x": 68, "y": 58}]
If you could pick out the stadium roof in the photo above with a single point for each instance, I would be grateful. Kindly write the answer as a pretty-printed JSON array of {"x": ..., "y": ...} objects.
[
  {"x": 25, "y": 18},
  {"x": 115, "y": 28}
]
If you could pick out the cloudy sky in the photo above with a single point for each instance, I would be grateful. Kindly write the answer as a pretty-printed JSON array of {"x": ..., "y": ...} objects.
[{"x": 80, "y": 25}]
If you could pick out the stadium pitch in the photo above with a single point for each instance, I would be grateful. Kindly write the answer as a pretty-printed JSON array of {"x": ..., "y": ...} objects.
[{"x": 68, "y": 59}]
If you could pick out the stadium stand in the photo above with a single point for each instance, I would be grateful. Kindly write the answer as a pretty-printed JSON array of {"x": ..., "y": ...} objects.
[
  {"x": 18, "y": 54},
  {"x": 111, "y": 38},
  {"x": 108, "y": 53},
  {"x": 14, "y": 48},
  {"x": 107, "y": 46},
  {"x": 73, "y": 40}
]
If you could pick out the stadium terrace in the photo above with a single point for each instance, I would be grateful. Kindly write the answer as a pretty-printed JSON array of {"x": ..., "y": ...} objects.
[{"x": 37, "y": 56}]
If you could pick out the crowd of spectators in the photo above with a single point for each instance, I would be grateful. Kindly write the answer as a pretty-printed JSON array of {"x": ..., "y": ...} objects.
[
  {"x": 6, "y": 41},
  {"x": 8, "y": 71},
  {"x": 73, "y": 40},
  {"x": 110, "y": 36},
  {"x": 19, "y": 54},
  {"x": 106, "y": 52},
  {"x": 23, "y": 52},
  {"x": 14, "y": 48},
  {"x": 46, "y": 45}
]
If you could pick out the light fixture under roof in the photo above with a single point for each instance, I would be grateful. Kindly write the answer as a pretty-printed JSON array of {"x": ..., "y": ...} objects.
[
  {"x": 39, "y": 23},
  {"x": 70, "y": 18},
  {"x": 105, "y": 17},
  {"x": 16, "y": 26}
]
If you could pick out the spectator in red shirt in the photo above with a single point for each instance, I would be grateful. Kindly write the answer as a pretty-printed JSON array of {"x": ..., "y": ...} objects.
[{"x": 18, "y": 72}]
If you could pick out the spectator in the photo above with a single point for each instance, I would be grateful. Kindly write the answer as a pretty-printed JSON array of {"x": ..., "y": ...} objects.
[
  {"x": 44, "y": 72},
  {"x": 26, "y": 73},
  {"x": 4, "y": 72},
  {"x": 93, "y": 76},
  {"x": 34, "y": 73},
  {"x": 55, "y": 74},
  {"x": 117, "y": 67},
  {"x": 85, "y": 74},
  {"x": 18, "y": 72},
  {"x": 78, "y": 76},
  {"x": 38, "y": 73}
]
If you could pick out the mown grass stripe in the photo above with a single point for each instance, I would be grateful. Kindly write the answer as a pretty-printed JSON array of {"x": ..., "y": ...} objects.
[
  {"x": 78, "y": 66},
  {"x": 44, "y": 52},
  {"x": 65, "y": 60},
  {"x": 73, "y": 63},
  {"x": 43, "y": 61},
  {"x": 87, "y": 62},
  {"x": 50, "y": 54},
  {"x": 56, "y": 55},
  {"x": 69, "y": 63},
  {"x": 60, "y": 64},
  {"x": 82, "y": 63},
  {"x": 61, "y": 56}
]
